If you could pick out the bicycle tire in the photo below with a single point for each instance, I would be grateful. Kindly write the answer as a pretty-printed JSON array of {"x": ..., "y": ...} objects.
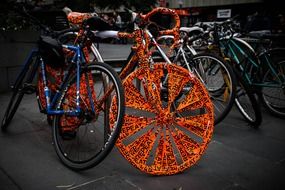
[
  {"x": 11, "y": 108},
  {"x": 273, "y": 98},
  {"x": 220, "y": 81},
  {"x": 254, "y": 118},
  {"x": 25, "y": 77},
  {"x": 67, "y": 130},
  {"x": 155, "y": 138}
]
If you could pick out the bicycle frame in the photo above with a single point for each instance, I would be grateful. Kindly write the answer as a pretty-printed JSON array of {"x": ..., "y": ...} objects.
[
  {"x": 132, "y": 60},
  {"x": 180, "y": 52},
  {"x": 69, "y": 86},
  {"x": 25, "y": 68},
  {"x": 231, "y": 48},
  {"x": 77, "y": 59}
]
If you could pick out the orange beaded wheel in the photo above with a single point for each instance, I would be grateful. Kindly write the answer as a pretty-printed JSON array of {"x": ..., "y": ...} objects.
[{"x": 167, "y": 127}]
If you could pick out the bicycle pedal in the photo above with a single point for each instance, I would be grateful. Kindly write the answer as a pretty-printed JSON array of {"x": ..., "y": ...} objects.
[{"x": 28, "y": 88}]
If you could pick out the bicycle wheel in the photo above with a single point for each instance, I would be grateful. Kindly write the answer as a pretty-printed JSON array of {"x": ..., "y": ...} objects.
[
  {"x": 247, "y": 103},
  {"x": 167, "y": 127},
  {"x": 220, "y": 81},
  {"x": 22, "y": 86},
  {"x": 83, "y": 141},
  {"x": 273, "y": 98},
  {"x": 12, "y": 107}
]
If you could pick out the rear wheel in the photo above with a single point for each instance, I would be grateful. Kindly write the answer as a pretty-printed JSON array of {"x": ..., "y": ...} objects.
[{"x": 83, "y": 141}]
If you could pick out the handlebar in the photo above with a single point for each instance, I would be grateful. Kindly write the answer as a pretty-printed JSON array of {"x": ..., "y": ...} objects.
[
  {"x": 142, "y": 20},
  {"x": 215, "y": 28},
  {"x": 218, "y": 24},
  {"x": 228, "y": 21},
  {"x": 170, "y": 12}
]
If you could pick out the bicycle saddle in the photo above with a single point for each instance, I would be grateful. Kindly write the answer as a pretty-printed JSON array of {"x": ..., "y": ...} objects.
[
  {"x": 191, "y": 29},
  {"x": 78, "y": 18},
  {"x": 94, "y": 22}
]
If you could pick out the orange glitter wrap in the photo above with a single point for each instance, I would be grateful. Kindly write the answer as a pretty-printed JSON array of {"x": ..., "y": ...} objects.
[
  {"x": 54, "y": 80},
  {"x": 169, "y": 118},
  {"x": 175, "y": 30},
  {"x": 165, "y": 135},
  {"x": 77, "y": 18}
]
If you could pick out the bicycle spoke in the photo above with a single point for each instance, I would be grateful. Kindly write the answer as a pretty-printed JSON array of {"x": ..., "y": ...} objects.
[
  {"x": 134, "y": 124},
  {"x": 196, "y": 124},
  {"x": 176, "y": 83},
  {"x": 172, "y": 139},
  {"x": 136, "y": 99}
]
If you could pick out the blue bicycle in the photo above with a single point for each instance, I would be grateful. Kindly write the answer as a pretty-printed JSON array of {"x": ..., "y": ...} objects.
[{"x": 79, "y": 104}]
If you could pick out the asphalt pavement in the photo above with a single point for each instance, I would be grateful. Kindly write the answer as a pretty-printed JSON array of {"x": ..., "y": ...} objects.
[{"x": 237, "y": 158}]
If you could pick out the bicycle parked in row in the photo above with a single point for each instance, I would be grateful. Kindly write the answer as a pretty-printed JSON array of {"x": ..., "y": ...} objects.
[
  {"x": 262, "y": 70},
  {"x": 169, "y": 117},
  {"x": 259, "y": 67},
  {"x": 76, "y": 102},
  {"x": 216, "y": 74}
]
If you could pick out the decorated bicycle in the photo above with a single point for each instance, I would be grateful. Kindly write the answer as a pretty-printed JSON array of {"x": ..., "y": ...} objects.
[
  {"x": 75, "y": 99},
  {"x": 169, "y": 118}
]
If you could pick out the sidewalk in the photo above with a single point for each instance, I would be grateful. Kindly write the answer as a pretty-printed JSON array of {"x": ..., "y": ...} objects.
[{"x": 238, "y": 158}]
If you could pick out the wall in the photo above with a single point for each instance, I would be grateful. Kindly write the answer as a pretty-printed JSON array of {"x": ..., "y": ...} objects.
[{"x": 14, "y": 48}]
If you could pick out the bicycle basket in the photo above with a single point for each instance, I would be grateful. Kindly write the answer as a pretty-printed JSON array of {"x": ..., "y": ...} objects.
[{"x": 51, "y": 51}]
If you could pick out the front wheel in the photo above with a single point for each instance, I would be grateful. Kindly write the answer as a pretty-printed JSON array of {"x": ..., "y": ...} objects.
[
  {"x": 83, "y": 141},
  {"x": 219, "y": 79},
  {"x": 169, "y": 120},
  {"x": 14, "y": 102},
  {"x": 273, "y": 90},
  {"x": 247, "y": 103},
  {"x": 23, "y": 85}
]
